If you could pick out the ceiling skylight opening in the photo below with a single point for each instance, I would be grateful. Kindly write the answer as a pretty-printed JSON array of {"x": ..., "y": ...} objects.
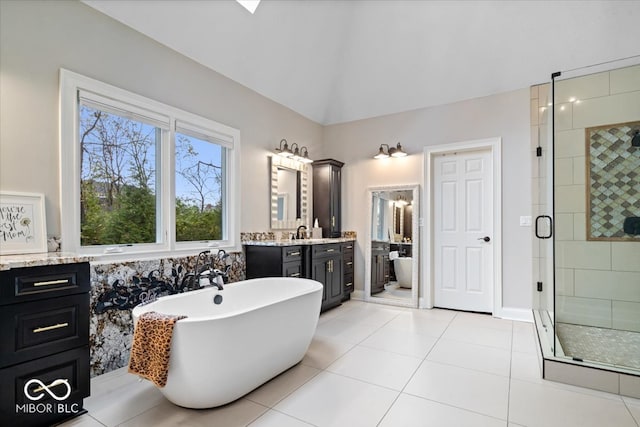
[{"x": 250, "y": 5}]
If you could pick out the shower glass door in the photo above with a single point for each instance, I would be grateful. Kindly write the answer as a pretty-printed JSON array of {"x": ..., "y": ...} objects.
[
  {"x": 543, "y": 222},
  {"x": 595, "y": 247}
]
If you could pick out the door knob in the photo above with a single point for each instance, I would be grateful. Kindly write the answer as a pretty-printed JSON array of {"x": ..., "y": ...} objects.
[{"x": 485, "y": 238}]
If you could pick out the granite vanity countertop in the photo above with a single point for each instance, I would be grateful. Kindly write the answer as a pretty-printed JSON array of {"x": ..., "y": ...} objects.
[
  {"x": 298, "y": 242},
  {"x": 7, "y": 262}
]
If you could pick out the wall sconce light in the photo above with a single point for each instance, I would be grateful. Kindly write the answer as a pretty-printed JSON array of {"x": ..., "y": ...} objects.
[
  {"x": 301, "y": 154},
  {"x": 284, "y": 151},
  {"x": 402, "y": 201},
  {"x": 391, "y": 151}
]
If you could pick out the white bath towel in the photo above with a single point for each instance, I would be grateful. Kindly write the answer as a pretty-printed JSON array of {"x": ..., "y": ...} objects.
[{"x": 393, "y": 255}]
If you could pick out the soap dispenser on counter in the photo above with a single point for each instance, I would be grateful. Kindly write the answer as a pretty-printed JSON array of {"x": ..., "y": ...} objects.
[{"x": 316, "y": 231}]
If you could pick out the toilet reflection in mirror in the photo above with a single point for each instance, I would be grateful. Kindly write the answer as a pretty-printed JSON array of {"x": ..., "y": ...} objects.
[{"x": 391, "y": 276}]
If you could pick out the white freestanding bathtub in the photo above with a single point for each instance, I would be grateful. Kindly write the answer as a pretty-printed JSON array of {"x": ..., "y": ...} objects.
[
  {"x": 402, "y": 267},
  {"x": 221, "y": 352}
]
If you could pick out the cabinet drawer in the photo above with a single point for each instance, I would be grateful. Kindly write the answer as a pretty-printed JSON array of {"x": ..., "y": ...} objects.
[
  {"x": 72, "y": 366},
  {"x": 291, "y": 253},
  {"x": 292, "y": 269},
  {"x": 348, "y": 282},
  {"x": 379, "y": 247},
  {"x": 36, "y": 329},
  {"x": 329, "y": 249},
  {"x": 34, "y": 283},
  {"x": 348, "y": 265}
]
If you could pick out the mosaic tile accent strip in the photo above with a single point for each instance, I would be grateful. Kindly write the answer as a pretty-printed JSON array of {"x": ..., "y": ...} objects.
[
  {"x": 614, "y": 181},
  {"x": 263, "y": 235},
  {"x": 609, "y": 346},
  {"x": 116, "y": 288}
]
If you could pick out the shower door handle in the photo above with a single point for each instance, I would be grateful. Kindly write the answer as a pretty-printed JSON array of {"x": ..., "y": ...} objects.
[{"x": 538, "y": 218}]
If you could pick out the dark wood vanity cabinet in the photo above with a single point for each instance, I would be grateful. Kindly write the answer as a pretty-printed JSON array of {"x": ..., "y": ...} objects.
[
  {"x": 44, "y": 336},
  {"x": 379, "y": 266},
  {"x": 274, "y": 261},
  {"x": 347, "y": 261},
  {"x": 327, "y": 177},
  {"x": 327, "y": 268},
  {"x": 329, "y": 263}
]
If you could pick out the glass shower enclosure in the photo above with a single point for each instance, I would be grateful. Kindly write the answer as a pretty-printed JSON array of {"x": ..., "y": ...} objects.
[{"x": 586, "y": 140}]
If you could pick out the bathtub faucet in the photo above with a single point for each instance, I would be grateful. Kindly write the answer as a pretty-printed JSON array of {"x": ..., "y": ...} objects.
[{"x": 218, "y": 279}]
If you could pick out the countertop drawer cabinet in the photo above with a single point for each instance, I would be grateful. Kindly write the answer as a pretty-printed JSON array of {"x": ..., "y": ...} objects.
[
  {"x": 43, "y": 282},
  {"x": 347, "y": 259},
  {"x": 44, "y": 336},
  {"x": 37, "y": 329},
  {"x": 18, "y": 409},
  {"x": 274, "y": 261}
]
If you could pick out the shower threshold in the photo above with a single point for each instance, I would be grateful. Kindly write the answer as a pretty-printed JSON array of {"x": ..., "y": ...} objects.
[{"x": 574, "y": 362}]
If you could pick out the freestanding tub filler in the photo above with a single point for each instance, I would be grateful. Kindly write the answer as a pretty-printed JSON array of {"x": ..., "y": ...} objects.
[{"x": 221, "y": 352}]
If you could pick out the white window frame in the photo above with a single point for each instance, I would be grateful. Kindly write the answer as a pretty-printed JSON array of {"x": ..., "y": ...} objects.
[{"x": 71, "y": 85}]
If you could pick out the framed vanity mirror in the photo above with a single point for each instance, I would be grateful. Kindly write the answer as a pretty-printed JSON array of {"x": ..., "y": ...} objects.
[
  {"x": 289, "y": 190},
  {"x": 392, "y": 252}
]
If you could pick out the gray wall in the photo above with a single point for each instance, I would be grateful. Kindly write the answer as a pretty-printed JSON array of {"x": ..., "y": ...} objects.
[
  {"x": 39, "y": 38},
  {"x": 504, "y": 115}
]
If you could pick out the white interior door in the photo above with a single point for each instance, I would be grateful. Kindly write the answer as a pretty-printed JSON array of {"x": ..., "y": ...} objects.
[{"x": 463, "y": 231}]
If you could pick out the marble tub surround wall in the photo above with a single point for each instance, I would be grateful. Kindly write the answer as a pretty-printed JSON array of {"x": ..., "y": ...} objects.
[
  {"x": 597, "y": 282},
  {"x": 117, "y": 287}
]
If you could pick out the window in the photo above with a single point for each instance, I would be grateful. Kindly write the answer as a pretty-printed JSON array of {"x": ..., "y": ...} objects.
[{"x": 139, "y": 176}]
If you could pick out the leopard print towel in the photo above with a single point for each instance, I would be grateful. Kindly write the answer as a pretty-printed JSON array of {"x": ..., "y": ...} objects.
[{"x": 149, "y": 356}]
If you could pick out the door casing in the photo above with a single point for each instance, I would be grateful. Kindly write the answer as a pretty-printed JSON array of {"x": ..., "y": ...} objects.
[{"x": 495, "y": 147}]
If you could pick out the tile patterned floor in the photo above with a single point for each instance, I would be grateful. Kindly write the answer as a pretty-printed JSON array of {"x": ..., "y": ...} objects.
[
  {"x": 611, "y": 346},
  {"x": 375, "y": 365}
]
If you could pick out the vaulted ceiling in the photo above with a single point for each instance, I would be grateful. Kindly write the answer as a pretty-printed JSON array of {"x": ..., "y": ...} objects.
[{"x": 336, "y": 61}]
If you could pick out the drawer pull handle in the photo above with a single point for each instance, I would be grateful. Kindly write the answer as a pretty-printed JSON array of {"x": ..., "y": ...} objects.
[
  {"x": 294, "y": 253},
  {"x": 51, "y": 282},
  {"x": 349, "y": 247},
  {"x": 295, "y": 275},
  {"x": 50, "y": 328},
  {"x": 350, "y": 263},
  {"x": 330, "y": 250},
  {"x": 349, "y": 284}
]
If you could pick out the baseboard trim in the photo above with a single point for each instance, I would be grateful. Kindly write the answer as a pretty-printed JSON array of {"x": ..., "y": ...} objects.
[
  {"x": 519, "y": 314},
  {"x": 357, "y": 294}
]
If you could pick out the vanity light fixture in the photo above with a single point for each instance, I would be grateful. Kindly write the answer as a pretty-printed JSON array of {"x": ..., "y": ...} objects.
[
  {"x": 300, "y": 154},
  {"x": 402, "y": 201},
  {"x": 304, "y": 155},
  {"x": 381, "y": 153},
  {"x": 397, "y": 152},
  {"x": 284, "y": 151},
  {"x": 391, "y": 151}
]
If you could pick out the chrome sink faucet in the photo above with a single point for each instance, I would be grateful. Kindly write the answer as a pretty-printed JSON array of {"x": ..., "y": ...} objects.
[{"x": 298, "y": 235}]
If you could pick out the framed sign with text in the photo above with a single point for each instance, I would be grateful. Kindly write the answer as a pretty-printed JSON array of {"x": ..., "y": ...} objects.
[{"x": 22, "y": 223}]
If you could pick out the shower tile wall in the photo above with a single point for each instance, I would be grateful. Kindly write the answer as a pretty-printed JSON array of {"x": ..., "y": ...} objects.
[{"x": 597, "y": 283}]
